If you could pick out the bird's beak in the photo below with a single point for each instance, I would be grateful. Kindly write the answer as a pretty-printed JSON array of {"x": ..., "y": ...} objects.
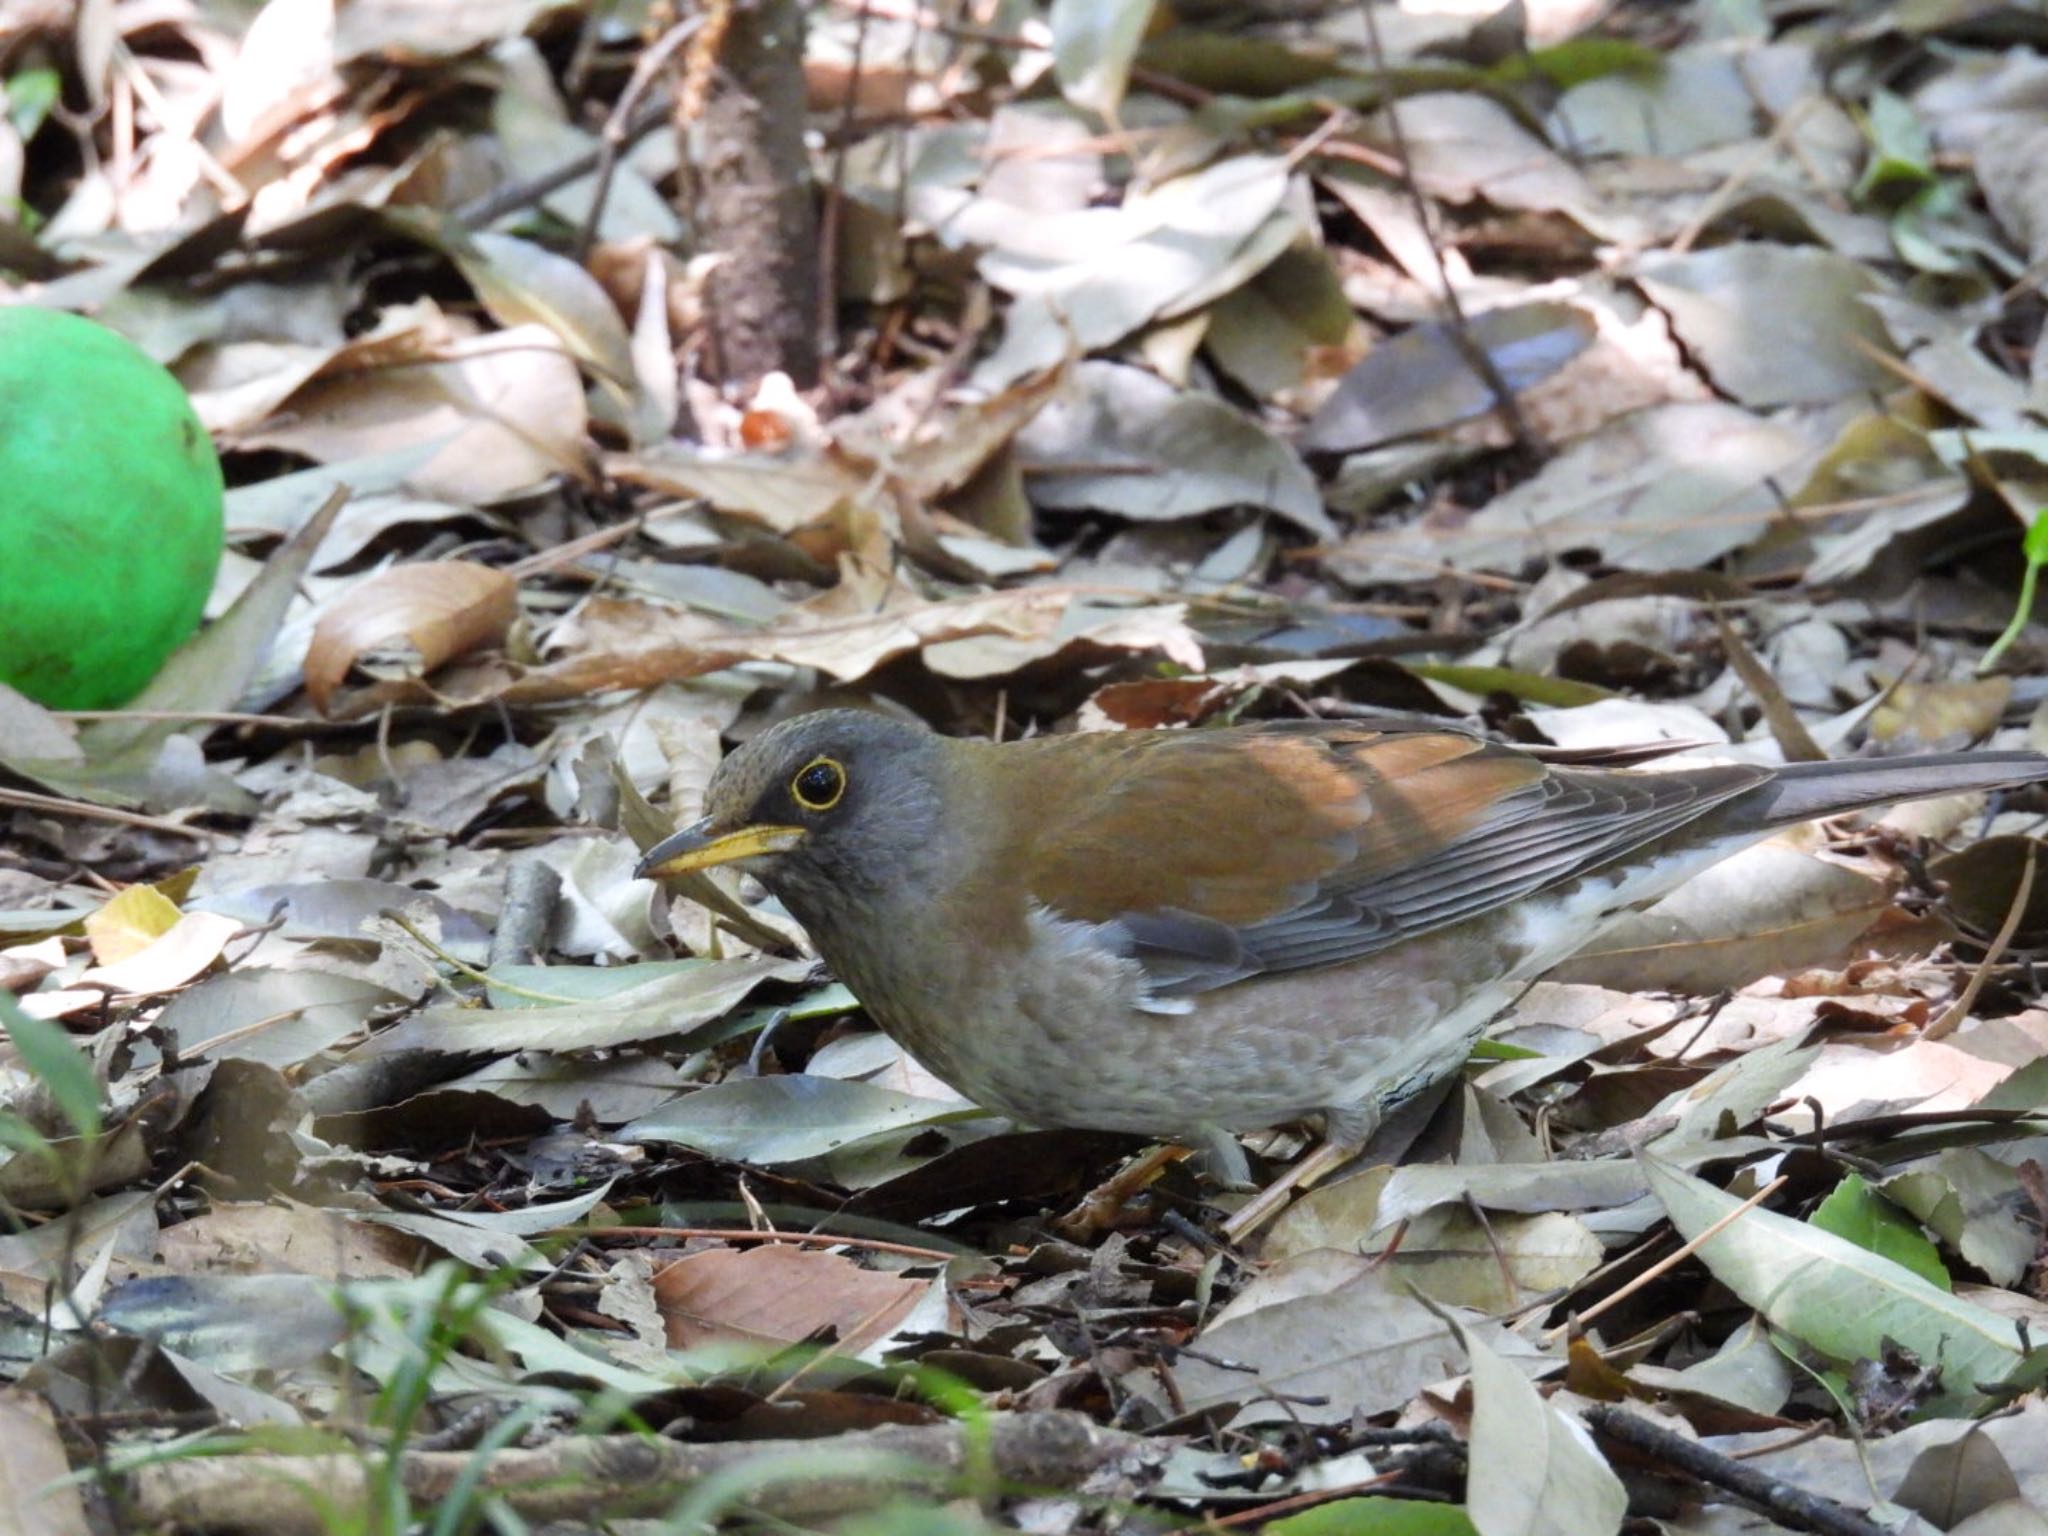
[{"x": 701, "y": 845}]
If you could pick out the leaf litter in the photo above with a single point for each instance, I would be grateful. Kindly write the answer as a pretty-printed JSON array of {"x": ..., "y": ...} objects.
[{"x": 350, "y": 1082}]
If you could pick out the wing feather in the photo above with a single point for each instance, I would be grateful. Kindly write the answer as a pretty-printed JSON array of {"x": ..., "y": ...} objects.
[{"x": 1220, "y": 855}]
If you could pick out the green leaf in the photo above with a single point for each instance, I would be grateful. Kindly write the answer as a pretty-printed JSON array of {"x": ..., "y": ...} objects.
[
  {"x": 1863, "y": 1216},
  {"x": 47, "y": 1051},
  {"x": 2025, "y": 1089},
  {"x": 17, "y": 1135},
  {"x": 2035, "y": 547},
  {"x": 1501, "y": 1050},
  {"x": 1842, "y": 1300},
  {"x": 1901, "y": 152},
  {"x": 1556, "y": 692},
  {"x": 30, "y": 96},
  {"x": 1375, "y": 1517},
  {"x": 1582, "y": 59}
]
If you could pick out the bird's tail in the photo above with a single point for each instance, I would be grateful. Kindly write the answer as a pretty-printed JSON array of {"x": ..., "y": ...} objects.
[{"x": 1803, "y": 791}]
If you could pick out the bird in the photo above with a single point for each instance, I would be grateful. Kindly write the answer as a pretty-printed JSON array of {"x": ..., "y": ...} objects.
[{"x": 1191, "y": 934}]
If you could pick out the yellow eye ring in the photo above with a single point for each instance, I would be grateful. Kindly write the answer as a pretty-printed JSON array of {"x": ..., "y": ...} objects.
[{"x": 818, "y": 784}]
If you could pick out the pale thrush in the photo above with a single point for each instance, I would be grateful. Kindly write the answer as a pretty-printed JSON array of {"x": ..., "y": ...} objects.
[{"x": 1193, "y": 933}]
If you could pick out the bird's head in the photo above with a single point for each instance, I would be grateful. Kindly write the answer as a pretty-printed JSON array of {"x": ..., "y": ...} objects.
[{"x": 827, "y": 804}]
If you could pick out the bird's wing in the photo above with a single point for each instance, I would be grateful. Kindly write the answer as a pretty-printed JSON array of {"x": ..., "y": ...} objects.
[{"x": 1227, "y": 854}]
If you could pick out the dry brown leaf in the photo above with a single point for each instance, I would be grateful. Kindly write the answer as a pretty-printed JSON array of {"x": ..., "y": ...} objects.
[
  {"x": 1929, "y": 717},
  {"x": 932, "y": 449},
  {"x": 446, "y": 608},
  {"x": 1770, "y": 909},
  {"x": 256, "y": 1238},
  {"x": 1752, "y": 1020},
  {"x": 845, "y": 632},
  {"x": 892, "y": 461},
  {"x": 63, "y": 1002},
  {"x": 500, "y": 413},
  {"x": 1926, "y": 1076},
  {"x": 23, "y": 965},
  {"x": 780, "y": 495},
  {"x": 780, "y": 1295},
  {"x": 37, "y": 1497}
]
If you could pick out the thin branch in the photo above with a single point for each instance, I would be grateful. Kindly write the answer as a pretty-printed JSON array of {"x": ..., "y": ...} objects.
[
  {"x": 1794, "y": 1506},
  {"x": 1460, "y": 328},
  {"x": 782, "y": 1235},
  {"x": 492, "y": 206},
  {"x": 580, "y": 1477},
  {"x": 618, "y": 126},
  {"x": 29, "y": 800},
  {"x": 1953, "y": 1016},
  {"x": 1663, "y": 1266}
]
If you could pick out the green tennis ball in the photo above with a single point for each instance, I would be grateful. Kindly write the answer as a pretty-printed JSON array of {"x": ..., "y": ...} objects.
[{"x": 110, "y": 512}]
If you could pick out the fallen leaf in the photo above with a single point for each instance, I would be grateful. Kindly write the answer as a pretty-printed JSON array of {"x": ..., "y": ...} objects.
[
  {"x": 777, "y": 1294},
  {"x": 184, "y": 950},
  {"x": 1843, "y": 1300},
  {"x": 445, "y": 608},
  {"x": 1534, "y": 1468},
  {"x": 130, "y": 923},
  {"x": 37, "y": 1495}
]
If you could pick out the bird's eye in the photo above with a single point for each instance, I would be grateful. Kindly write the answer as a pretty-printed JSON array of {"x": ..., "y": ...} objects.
[{"x": 818, "y": 784}]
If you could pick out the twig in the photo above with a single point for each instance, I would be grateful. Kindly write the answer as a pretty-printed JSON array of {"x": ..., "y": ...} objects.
[
  {"x": 1959, "y": 1010},
  {"x": 577, "y": 1478},
  {"x": 29, "y": 800},
  {"x": 532, "y": 890},
  {"x": 1812, "y": 1431},
  {"x": 782, "y": 1235},
  {"x": 492, "y": 206},
  {"x": 1724, "y": 194},
  {"x": 463, "y": 967},
  {"x": 1335, "y": 122},
  {"x": 1460, "y": 328},
  {"x": 1889, "y": 1128},
  {"x": 618, "y": 126},
  {"x": 1664, "y": 1265},
  {"x": 1259, "y": 1513},
  {"x": 195, "y": 716},
  {"x": 1790, "y": 732},
  {"x": 1808, "y": 1511}
]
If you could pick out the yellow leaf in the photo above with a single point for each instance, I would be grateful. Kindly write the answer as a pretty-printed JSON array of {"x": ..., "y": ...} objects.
[{"x": 130, "y": 923}]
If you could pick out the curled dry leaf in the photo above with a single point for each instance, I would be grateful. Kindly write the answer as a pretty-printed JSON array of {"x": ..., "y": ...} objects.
[
  {"x": 1535, "y": 1469},
  {"x": 445, "y": 608},
  {"x": 850, "y": 631}
]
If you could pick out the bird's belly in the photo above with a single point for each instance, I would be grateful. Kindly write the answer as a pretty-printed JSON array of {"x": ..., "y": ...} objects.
[{"x": 1060, "y": 1039}]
